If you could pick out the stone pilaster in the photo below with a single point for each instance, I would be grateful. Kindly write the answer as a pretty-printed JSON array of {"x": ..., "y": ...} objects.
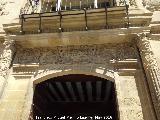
[
  {"x": 5, "y": 61},
  {"x": 151, "y": 69}
]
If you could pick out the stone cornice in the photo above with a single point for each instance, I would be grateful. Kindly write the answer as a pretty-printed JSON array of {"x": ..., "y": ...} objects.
[{"x": 109, "y": 36}]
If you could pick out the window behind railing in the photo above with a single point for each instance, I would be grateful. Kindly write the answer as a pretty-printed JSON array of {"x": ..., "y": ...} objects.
[
  {"x": 48, "y": 6},
  {"x": 80, "y": 4},
  {"x": 41, "y": 6}
]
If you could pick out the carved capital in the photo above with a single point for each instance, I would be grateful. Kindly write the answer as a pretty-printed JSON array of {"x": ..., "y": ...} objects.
[{"x": 151, "y": 70}]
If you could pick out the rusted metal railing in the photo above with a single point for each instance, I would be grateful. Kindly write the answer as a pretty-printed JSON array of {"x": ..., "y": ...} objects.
[{"x": 60, "y": 14}]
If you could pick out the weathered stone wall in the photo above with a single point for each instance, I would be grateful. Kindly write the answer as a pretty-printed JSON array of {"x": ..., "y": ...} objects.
[{"x": 97, "y": 60}]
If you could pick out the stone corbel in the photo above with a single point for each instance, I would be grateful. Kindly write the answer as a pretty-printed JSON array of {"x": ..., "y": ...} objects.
[{"x": 151, "y": 70}]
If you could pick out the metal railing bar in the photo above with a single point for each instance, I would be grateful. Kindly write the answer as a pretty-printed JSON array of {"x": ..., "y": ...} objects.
[
  {"x": 72, "y": 14},
  {"x": 61, "y": 14},
  {"x": 127, "y": 6},
  {"x": 31, "y": 14},
  {"x": 74, "y": 10},
  {"x": 106, "y": 11},
  {"x": 22, "y": 20},
  {"x": 40, "y": 23},
  {"x": 60, "y": 22},
  {"x": 85, "y": 13}
]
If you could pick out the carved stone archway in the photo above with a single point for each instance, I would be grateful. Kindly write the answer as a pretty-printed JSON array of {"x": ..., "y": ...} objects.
[
  {"x": 84, "y": 87},
  {"x": 110, "y": 75}
]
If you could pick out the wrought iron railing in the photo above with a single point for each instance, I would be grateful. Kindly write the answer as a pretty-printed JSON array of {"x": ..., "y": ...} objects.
[{"x": 31, "y": 7}]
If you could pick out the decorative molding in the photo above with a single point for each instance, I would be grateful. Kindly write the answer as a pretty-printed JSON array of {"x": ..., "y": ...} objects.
[
  {"x": 5, "y": 62},
  {"x": 89, "y": 58},
  {"x": 151, "y": 69},
  {"x": 83, "y": 54},
  {"x": 6, "y": 57}
]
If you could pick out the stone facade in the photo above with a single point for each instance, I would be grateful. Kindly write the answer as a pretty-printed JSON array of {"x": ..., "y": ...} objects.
[{"x": 125, "y": 56}]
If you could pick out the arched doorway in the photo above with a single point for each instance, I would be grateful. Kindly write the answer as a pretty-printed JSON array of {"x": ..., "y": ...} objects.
[{"x": 75, "y": 96}]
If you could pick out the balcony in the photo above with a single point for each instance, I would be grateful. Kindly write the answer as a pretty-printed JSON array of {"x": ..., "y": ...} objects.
[{"x": 70, "y": 15}]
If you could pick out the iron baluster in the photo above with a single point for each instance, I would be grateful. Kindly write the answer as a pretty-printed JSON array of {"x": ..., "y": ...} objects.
[
  {"x": 127, "y": 6},
  {"x": 40, "y": 23},
  {"x": 60, "y": 24},
  {"x": 22, "y": 20},
  {"x": 106, "y": 11},
  {"x": 85, "y": 12}
]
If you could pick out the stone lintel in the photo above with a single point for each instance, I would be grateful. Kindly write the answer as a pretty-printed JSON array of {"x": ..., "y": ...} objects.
[{"x": 105, "y": 36}]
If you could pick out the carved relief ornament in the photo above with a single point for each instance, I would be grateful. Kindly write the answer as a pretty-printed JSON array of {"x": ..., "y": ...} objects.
[
  {"x": 151, "y": 69},
  {"x": 96, "y": 54},
  {"x": 6, "y": 57}
]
